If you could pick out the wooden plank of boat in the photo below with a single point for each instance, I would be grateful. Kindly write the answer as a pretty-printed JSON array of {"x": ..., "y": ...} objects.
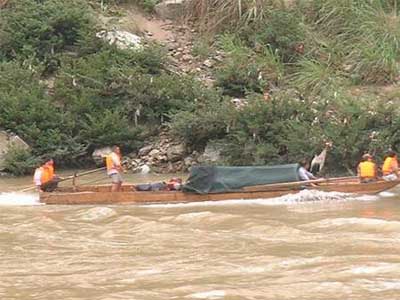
[
  {"x": 356, "y": 187},
  {"x": 102, "y": 195}
]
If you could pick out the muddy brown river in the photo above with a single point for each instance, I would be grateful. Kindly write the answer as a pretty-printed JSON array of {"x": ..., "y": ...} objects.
[{"x": 312, "y": 245}]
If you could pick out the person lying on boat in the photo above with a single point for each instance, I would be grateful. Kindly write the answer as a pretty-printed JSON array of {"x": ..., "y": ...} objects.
[
  {"x": 390, "y": 167},
  {"x": 174, "y": 184},
  {"x": 44, "y": 177},
  {"x": 114, "y": 168},
  {"x": 367, "y": 170}
]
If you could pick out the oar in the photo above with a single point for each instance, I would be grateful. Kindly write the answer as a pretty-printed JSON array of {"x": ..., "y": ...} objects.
[
  {"x": 294, "y": 184},
  {"x": 67, "y": 178}
]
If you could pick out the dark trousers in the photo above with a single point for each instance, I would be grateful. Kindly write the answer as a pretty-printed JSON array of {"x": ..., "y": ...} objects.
[{"x": 49, "y": 186}]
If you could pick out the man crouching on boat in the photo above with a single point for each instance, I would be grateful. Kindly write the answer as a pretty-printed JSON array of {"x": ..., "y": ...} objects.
[
  {"x": 303, "y": 172},
  {"x": 114, "y": 168},
  {"x": 367, "y": 170},
  {"x": 390, "y": 168},
  {"x": 44, "y": 178}
]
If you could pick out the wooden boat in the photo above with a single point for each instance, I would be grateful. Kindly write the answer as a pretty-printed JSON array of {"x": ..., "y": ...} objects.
[{"x": 101, "y": 194}]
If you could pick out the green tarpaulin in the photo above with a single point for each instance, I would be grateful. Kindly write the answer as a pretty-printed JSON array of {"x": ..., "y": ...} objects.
[{"x": 213, "y": 179}]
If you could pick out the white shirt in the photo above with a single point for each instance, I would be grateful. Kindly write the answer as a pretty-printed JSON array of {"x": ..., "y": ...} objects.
[
  {"x": 304, "y": 174},
  {"x": 37, "y": 177}
]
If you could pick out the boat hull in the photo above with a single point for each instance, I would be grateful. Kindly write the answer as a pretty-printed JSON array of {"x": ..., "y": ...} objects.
[{"x": 88, "y": 195}]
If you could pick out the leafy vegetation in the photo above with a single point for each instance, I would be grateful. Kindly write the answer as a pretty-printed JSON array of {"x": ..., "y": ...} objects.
[{"x": 19, "y": 161}]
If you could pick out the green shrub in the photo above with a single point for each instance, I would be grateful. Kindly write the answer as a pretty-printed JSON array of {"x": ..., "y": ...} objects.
[
  {"x": 271, "y": 132},
  {"x": 40, "y": 29},
  {"x": 245, "y": 71},
  {"x": 282, "y": 31},
  {"x": 208, "y": 121},
  {"x": 19, "y": 161},
  {"x": 109, "y": 128}
]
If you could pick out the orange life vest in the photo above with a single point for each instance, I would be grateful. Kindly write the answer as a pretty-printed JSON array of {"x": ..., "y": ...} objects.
[
  {"x": 46, "y": 175},
  {"x": 390, "y": 164},
  {"x": 367, "y": 169},
  {"x": 110, "y": 164},
  {"x": 50, "y": 170}
]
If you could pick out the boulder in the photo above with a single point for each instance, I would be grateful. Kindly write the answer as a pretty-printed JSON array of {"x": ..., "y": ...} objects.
[
  {"x": 8, "y": 142},
  {"x": 122, "y": 39},
  {"x": 212, "y": 153},
  {"x": 154, "y": 153},
  {"x": 98, "y": 155},
  {"x": 145, "y": 169},
  {"x": 176, "y": 152},
  {"x": 145, "y": 150},
  {"x": 170, "y": 9}
]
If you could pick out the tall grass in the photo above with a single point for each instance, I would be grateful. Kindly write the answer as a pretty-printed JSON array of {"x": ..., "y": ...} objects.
[
  {"x": 317, "y": 77},
  {"x": 215, "y": 15},
  {"x": 369, "y": 32},
  {"x": 375, "y": 46}
]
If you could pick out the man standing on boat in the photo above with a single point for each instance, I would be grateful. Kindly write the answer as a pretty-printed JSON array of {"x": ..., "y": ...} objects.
[
  {"x": 367, "y": 170},
  {"x": 114, "y": 168},
  {"x": 390, "y": 168}
]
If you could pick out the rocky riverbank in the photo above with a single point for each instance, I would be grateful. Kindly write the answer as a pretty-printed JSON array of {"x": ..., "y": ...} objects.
[{"x": 164, "y": 154}]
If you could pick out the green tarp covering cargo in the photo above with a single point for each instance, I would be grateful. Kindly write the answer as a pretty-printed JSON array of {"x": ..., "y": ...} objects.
[{"x": 214, "y": 179}]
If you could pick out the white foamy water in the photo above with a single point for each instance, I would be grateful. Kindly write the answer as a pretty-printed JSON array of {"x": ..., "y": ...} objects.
[
  {"x": 215, "y": 294},
  {"x": 19, "y": 199},
  {"x": 96, "y": 214},
  {"x": 387, "y": 194},
  {"x": 360, "y": 224},
  {"x": 304, "y": 196}
]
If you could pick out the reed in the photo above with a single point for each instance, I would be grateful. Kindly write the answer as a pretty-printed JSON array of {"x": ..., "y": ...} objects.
[{"x": 215, "y": 15}]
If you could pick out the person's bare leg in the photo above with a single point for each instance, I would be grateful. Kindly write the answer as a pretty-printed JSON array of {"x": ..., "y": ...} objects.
[{"x": 114, "y": 187}]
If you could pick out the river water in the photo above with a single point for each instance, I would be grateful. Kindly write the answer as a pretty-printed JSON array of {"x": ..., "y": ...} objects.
[{"x": 312, "y": 245}]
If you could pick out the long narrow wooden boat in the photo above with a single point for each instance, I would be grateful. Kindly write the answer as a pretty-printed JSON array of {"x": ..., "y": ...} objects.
[{"x": 101, "y": 194}]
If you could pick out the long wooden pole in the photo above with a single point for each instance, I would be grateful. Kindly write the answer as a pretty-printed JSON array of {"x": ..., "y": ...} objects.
[
  {"x": 67, "y": 178},
  {"x": 294, "y": 184}
]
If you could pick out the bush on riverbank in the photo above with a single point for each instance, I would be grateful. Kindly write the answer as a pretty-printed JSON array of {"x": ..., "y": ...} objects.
[
  {"x": 287, "y": 128},
  {"x": 20, "y": 161}
]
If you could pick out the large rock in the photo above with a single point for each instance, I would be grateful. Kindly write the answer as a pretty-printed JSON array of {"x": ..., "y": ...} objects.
[
  {"x": 145, "y": 150},
  {"x": 176, "y": 152},
  {"x": 170, "y": 9},
  {"x": 212, "y": 153},
  {"x": 122, "y": 39},
  {"x": 98, "y": 155},
  {"x": 9, "y": 142}
]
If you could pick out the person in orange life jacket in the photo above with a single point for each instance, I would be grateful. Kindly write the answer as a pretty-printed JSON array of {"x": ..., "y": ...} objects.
[
  {"x": 367, "y": 170},
  {"x": 114, "y": 168},
  {"x": 44, "y": 177},
  {"x": 390, "y": 168}
]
